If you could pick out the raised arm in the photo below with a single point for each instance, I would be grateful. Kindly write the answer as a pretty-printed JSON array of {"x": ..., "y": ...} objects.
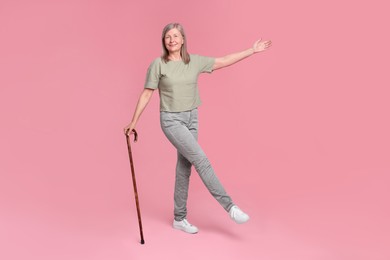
[
  {"x": 142, "y": 102},
  {"x": 230, "y": 59}
]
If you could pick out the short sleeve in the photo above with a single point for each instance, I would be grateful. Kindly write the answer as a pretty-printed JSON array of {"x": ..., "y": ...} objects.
[
  {"x": 205, "y": 64},
  {"x": 153, "y": 74}
]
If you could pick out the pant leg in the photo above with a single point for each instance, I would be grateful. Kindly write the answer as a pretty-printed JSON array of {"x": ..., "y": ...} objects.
[
  {"x": 183, "y": 173},
  {"x": 182, "y": 180},
  {"x": 176, "y": 128}
]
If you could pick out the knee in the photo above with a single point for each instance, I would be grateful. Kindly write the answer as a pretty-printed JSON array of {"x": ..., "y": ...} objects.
[
  {"x": 183, "y": 168},
  {"x": 202, "y": 164}
]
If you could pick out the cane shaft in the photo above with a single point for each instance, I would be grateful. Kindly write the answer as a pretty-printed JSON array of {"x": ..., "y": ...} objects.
[{"x": 135, "y": 189}]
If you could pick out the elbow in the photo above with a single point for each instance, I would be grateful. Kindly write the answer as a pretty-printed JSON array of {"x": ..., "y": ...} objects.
[
  {"x": 219, "y": 63},
  {"x": 146, "y": 94}
]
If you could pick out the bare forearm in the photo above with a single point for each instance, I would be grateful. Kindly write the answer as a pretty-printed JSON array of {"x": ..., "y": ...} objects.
[
  {"x": 141, "y": 104},
  {"x": 232, "y": 58}
]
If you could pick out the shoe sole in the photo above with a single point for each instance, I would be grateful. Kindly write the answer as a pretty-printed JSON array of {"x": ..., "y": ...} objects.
[
  {"x": 184, "y": 230},
  {"x": 241, "y": 222}
]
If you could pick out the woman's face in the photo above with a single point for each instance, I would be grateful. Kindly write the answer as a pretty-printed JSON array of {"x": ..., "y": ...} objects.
[{"x": 173, "y": 40}]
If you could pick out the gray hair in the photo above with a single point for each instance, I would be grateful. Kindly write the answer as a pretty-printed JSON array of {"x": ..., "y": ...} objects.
[{"x": 183, "y": 51}]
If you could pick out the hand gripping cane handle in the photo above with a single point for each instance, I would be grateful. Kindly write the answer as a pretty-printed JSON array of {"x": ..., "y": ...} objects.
[{"x": 135, "y": 135}]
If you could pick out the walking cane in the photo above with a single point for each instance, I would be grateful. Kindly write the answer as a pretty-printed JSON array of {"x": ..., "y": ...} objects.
[{"x": 134, "y": 182}]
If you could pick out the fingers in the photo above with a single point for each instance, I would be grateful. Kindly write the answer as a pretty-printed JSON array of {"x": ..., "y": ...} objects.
[
  {"x": 260, "y": 45},
  {"x": 267, "y": 44},
  {"x": 264, "y": 45},
  {"x": 127, "y": 131}
]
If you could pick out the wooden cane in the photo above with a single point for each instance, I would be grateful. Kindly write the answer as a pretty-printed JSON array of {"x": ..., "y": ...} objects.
[{"x": 134, "y": 182}]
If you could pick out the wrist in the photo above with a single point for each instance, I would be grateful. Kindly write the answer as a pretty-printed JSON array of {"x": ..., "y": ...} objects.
[{"x": 132, "y": 124}]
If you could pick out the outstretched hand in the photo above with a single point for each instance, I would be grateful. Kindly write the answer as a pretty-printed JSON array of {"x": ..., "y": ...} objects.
[{"x": 260, "y": 45}]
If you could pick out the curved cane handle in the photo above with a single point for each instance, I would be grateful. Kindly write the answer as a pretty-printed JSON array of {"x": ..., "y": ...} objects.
[{"x": 135, "y": 135}]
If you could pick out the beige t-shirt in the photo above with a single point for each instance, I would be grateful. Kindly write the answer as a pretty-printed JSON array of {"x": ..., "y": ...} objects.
[{"x": 178, "y": 82}]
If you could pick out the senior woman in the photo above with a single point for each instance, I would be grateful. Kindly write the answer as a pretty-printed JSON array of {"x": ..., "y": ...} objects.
[{"x": 175, "y": 75}]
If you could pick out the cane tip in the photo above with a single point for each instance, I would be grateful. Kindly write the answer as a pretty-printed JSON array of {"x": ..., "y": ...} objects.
[{"x": 142, "y": 242}]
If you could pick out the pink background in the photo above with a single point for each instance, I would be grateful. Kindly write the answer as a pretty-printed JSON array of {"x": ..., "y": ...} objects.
[{"x": 299, "y": 135}]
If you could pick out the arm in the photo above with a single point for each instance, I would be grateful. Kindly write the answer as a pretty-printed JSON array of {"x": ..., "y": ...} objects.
[
  {"x": 142, "y": 102},
  {"x": 230, "y": 59}
]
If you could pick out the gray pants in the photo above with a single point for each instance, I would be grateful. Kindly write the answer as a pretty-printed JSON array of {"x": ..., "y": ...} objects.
[{"x": 181, "y": 129}]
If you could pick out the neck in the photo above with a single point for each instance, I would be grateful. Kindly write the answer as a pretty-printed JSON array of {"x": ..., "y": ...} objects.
[{"x": 174, "y": 56}]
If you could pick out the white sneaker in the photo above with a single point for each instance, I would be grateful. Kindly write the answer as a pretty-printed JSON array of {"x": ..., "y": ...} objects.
[
  {"x": 238, "y": 215},
  {"x": 185, "y": 226}
]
